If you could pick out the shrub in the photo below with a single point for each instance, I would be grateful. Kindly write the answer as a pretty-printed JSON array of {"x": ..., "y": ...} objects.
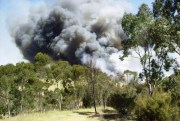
[
  {"x": 123, "y": 100},
  {"x": 156, "y": 108}
]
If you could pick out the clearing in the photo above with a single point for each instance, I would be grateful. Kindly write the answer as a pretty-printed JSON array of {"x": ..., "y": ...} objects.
[{"x": 74, "y": 115}]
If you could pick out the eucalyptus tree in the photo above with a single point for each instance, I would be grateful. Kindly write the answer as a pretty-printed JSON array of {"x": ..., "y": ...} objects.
[
  {"x": 5, "y": 96},
  {"x": 80, "y": 84},
  {"x": 25, "y": 74},
  {"x": 41, "y": 65},
  {"x": 99, "y": 84},
  {"x": 149, "y": 38},
  {"x": 169, "y": 10},
  {"x": 91, "y": 76},
  {"x": 7, "y": 76},
  {"x": 104, "y": 87},
  {"x": 62, "y": 74}
]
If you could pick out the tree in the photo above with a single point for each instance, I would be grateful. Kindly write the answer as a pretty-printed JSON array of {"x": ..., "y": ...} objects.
[
  {"x": 169, "y": 10},
  {"x": 91, "y": 75},
  {"x": 104, "y": 87},
  {"x": 37, "y": 89},
  {"x": 62, "y": 73},
  {"x": 25, "y": 73},
  {"x": 148, "y": 37},
  {"x": 80, "y": 91},
  {"x": 41, "y": 60},
  {"x": 43, "y": 73},
  {"x": 5, "y": 89},
  {"x": 7, "y": 76},
  {"x": 172, "y": 84}
]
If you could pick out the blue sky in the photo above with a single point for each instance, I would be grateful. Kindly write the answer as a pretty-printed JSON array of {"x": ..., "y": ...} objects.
[
  {"x": 137, "y": 3},
  {"x": 12, "y": 10}
]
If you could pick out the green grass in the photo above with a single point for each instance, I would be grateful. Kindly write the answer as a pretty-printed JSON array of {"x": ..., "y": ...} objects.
[{"x": 73, "y": 115}]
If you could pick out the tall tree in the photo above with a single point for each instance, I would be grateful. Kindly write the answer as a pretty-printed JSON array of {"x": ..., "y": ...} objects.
[
  {"x": 5, "y": 89},
  {"x": 91, "y": 74},
  {"x": 104, "y": 87},
  {"x": 7, "y": 76},
  {"x": 41, "y": 62},
  {"x": 25, "y": 73},
  {"x": 62, "y": 73},
  {"x": 80, "y": 83},
  {"x": 148, "y": 37},
  {"x": 170, "y": 10}
]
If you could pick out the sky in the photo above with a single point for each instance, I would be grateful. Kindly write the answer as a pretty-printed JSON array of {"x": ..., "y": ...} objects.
[{"x": 17, "y": 11}]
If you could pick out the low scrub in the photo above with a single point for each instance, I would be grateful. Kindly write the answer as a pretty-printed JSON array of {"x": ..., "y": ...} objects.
[
  {"x": 158, "y": 107},
  {"x": 123, "y": 100}
]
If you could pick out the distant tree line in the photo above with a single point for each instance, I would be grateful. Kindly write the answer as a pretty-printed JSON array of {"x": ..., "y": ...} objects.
[{"x": 47, "y": 85}]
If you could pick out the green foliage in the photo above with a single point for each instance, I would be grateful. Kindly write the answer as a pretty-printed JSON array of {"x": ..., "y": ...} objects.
[
  {"x": 78, "y": 71},
  {"x": 61, "y": 70},
  {"x": 152, "y": 35},
  {"x": 156, "y": 108},
  {"x": 87, "y": 100},
  {"x": 18, "y": 84},
  {"x": 123, "y": 100},
  {"x": 5, "y": 84},
  {"x": 41, "y": 59},
  {"x": 172, "y": 84}
]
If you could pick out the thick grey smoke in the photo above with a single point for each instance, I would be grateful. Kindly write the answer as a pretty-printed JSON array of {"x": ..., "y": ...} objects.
[{"x": 75, "y": 31}]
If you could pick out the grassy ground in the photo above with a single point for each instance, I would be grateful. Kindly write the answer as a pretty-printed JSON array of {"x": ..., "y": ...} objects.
[{"x": 76, "y": 115}]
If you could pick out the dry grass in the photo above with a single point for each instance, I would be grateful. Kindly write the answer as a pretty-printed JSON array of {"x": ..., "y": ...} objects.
[{"x": 75, "y": 115}]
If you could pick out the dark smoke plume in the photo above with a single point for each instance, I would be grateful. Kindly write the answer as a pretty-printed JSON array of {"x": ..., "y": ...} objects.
[{"x": 74, "y": 31}]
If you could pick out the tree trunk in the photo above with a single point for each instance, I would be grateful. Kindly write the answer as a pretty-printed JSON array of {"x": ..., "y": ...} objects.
[
  {"x": 94, "y": 98},
  {"x": 95, "y": 106},
  {"x": 40, "y": 102},
  {"x": 21, "y": 107},
  {"x": 104, "y": 103},
  {"x": 150, "y": 89},
  {"x": 8, "y": 105},
  {"x": 9, "y": 111},
  {"x": 60, "y": 102},
  {"x": 22, "y": 96}
]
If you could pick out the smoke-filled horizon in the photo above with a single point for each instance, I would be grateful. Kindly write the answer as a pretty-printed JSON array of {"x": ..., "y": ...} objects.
[{"x": 74, "y": 31}]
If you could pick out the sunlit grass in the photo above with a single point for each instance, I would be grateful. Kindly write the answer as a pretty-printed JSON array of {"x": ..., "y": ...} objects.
[{"x": 73, "y": 115}]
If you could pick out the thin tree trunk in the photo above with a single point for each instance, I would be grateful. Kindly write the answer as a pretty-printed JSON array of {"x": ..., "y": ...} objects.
[
  {"x": 104, "y": 103},
  {"x": 40, "y": 102},
  {"x": 94, "y": 99},
  {"x": 8, "y": 106},
  {"x": 60, "y": 102},
  {"x": 9, "y": 111},
  {"x": 150, "y": 89},
  {"x": 22, "y": 96},
  {"x": 21, "y": 106}
]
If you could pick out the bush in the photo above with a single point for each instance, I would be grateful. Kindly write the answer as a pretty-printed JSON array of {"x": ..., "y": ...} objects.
[
  {"x": 123, "y": 100},
  {"x": 156, "y": 108}
]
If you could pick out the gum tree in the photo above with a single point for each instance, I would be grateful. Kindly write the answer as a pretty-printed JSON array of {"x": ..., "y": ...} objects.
[{"x": 149, "y": 38}]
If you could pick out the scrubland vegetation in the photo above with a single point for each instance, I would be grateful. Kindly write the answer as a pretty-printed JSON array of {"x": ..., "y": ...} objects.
[
  {"x": 34, "y": 90},
  {"x": 27, "y": 89}
]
